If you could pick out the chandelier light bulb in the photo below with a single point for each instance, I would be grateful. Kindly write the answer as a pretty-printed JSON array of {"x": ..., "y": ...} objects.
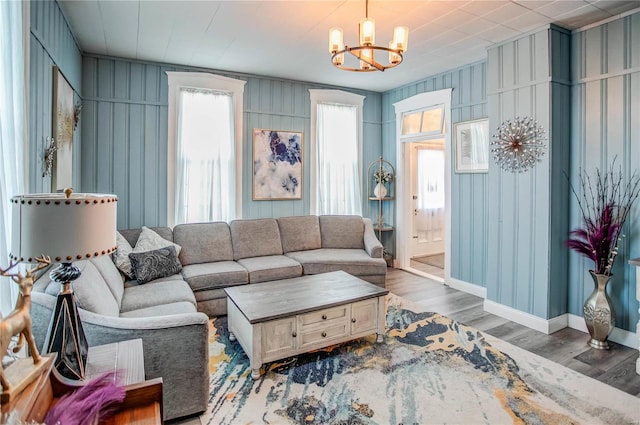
[
  {"x": 401, "y": 38},
  {"x": 335, "y": 40},
  {"x": 367, "y": 32}
]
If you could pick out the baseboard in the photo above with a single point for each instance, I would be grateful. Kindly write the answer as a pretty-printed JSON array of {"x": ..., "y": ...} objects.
[
  {"x": 525, "y": 319},
  {"x": 620, "y": 336},
  {"x": 469, "y": 288}
]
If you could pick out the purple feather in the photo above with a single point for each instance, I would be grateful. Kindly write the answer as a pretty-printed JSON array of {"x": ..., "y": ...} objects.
[{"x": 88, "y": 404}]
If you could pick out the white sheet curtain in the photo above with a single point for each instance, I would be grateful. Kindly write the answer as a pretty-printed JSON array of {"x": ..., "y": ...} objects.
[
  {"x": 205, "y": 157},
  {"x": 430, "y": 201},
  {"x": 338, "y": 180},
  {"x": 12, "y": 131}
]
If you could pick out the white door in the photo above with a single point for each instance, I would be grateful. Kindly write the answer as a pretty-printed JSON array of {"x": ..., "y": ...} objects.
[{"x": 427, "y": 188}]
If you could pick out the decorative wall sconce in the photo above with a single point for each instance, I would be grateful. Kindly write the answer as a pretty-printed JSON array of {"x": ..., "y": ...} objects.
[
  {"x": 519, "y": 144},
  {"x": 49, "y": 152},
  {"x": 76, "y": 114}
]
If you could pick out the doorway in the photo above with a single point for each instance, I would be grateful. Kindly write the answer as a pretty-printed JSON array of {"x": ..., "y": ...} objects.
[{"x": 423, "y": 152}]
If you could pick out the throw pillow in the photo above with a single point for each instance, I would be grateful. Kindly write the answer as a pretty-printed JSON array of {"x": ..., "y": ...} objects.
[
  {"x": 155, "y": 264},
  {"x": 150, "y": 240},
  {"x": 121, "y": 256}
]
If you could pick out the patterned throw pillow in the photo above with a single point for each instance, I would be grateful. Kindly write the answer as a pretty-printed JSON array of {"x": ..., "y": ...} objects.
[
  {"x": 155, "y": 264},
  {"x": 121, "y": 256}
]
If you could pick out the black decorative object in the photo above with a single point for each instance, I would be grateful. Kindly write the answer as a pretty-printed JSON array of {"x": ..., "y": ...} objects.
[{"x": 66, "y": 336}]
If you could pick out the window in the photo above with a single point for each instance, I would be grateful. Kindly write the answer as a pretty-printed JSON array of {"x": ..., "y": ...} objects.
[
  {"x": 14, "y": 72},
  {"x": 426, "y": 122},
  {"x": 336, "y": 152},
  {"x": 205, "y": 139}
]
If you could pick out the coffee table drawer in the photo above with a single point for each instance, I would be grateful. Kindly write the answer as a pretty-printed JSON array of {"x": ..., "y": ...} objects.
[
  {"x": 278, "y": 337},
  {"x": 320, "y": 337},
  {"x": 308, "y": 320},
  {"x": 364, "y": 316}
]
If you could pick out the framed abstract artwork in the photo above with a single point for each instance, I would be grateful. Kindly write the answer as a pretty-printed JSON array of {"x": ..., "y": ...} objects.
[
  {"x": 277, "y": 165},
  {"x": 471, "y": 143},
  {"x": 63, "y": 124}
]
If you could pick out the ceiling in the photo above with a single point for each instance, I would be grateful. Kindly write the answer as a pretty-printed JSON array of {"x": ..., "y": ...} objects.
[{"x": 289, "y": 39}]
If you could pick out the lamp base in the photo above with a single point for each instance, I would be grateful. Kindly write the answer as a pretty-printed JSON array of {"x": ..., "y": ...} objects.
[{"x": 66, "y": 336}]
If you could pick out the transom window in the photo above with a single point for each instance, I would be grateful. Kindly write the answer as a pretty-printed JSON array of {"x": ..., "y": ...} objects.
[{"x": 425, "y": 122}]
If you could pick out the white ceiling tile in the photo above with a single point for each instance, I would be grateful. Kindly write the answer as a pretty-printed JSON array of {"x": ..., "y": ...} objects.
[
  {"x": 533, "y": 4},
  {"x": 560, "y": 7},
  {"x": 121, "y": 18},
  {"x": 527, "y": 22},
  {"x": 498, "y": 34},
  {"x": 615, "y": 7},
  {"x": 481, "y": 8},
  {"x": 84, "y": 18},
  {"x": 582, "y": 16},
  {"x": 506, "y": 12}
]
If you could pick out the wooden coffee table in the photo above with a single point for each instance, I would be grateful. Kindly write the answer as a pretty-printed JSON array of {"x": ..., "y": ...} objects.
[{"x": 282, "y": 318}]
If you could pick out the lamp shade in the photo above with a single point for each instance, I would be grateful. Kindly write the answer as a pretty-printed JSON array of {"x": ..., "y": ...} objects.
[{"x": 65, "y": 227}]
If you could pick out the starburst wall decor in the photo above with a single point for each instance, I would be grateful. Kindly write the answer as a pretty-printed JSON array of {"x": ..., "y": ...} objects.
[{"x": 519, "y": 144}]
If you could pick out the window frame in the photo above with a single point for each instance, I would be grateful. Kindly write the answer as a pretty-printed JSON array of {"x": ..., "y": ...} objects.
[
  {"x": 202, "y": 80},
  {"x": 337, "y": 97}
]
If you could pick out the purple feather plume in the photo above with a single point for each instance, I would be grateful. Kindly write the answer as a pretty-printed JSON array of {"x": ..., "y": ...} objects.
[
  {"x": 605, "y": 206},
  {"x": 88, "y": 404}
]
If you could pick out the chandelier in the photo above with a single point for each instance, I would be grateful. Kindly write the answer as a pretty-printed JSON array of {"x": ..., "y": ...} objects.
[{"x": 365, "y": 51}]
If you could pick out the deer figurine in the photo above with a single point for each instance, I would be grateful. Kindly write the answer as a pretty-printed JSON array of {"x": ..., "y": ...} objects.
[{"x": 19, "y": 320}]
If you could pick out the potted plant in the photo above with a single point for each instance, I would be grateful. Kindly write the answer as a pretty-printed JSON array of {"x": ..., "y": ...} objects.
[
  {"x": 604, "y": 205},
  {"x": 381, "y": 176}
]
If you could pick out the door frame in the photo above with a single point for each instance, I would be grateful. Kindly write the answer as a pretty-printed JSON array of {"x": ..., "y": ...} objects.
[{"x": 403, "y": 184}]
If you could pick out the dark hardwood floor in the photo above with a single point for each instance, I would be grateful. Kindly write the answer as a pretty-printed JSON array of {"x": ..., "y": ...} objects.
[{"x": 568, "y": 347}]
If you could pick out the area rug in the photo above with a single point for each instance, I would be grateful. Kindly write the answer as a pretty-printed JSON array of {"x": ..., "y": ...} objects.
[
  {"x": 431, "y": 260},
  {"x": 428, "y": 370}
]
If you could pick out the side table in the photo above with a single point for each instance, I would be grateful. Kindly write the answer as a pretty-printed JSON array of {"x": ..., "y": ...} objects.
[{"x": 125, "y": 357}]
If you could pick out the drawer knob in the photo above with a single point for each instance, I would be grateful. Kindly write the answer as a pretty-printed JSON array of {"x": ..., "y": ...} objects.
[
  {"x": 324, "y": 334},
  {"x": 294, "y": 334},
  {"x": 324, "y": 317},
  {"x": 353, "y": 320}
]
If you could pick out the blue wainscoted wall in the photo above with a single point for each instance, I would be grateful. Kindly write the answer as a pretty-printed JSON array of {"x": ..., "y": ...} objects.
[
  {"x": 124, "y": 134},
  {"x": 52, "y": 43},
  {"x": 469, "y": 207},
  {"x": 528, "y": 220},
  {"x": 606, "y": 124}
]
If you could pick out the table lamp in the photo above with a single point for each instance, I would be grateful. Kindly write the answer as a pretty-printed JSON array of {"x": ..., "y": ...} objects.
[{"x": 66, "y": 227}]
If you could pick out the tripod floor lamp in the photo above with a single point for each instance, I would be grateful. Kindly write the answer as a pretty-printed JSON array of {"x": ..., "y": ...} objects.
[{"x": 66, "y": 227}]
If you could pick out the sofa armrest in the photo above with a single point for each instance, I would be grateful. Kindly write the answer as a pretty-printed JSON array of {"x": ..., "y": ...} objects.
[
  {"x": 175, "y": 348},
  {"x": 371, "y": 243}
]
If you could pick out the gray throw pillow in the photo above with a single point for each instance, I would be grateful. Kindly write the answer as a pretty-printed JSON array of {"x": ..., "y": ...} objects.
[{"x": 155, "y": 264}]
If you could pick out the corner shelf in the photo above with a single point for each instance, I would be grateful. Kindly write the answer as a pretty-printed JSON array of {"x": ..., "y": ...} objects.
[{"x": 381, "y": 224}]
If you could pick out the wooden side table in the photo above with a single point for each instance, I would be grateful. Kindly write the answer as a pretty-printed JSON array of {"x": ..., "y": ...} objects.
[
  {"x": 143, "y": 400},
  {"x": 125, "y": 357}
]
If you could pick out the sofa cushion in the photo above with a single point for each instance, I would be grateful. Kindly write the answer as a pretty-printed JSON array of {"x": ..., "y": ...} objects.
[
  {"x": 210, "y": 294},
  {"x": 162, "y": 310},
  {"x": 214, "y": 275},
  {"x": 155, "y": 264},
  {"x": 342, "y": 231},
  {"x": 353, "y": 261},
  {"x": 300, "y": 233},
  {"x": 255, "y": 238},
  {"x": 273, "y": 267},
  {"x": 111, "y": 276},
  {"x": 92, "y": 292},
  {"x": 203, "y": 242},
  {"x": 156, "y": 293}
]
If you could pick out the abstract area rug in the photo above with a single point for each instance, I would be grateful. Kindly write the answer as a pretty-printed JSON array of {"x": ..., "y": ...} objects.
[
  {"x": 431, "y": 260},
  {"x": 429, "y": 369}
]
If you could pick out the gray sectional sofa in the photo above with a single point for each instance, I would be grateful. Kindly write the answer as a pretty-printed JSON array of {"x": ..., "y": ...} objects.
[
  {"x": 215, "y": 256},
  {"x": 167, "y": 313}
]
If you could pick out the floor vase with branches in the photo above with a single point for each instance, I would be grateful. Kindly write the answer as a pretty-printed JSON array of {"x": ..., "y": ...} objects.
[{"x": 604, "y": 204}]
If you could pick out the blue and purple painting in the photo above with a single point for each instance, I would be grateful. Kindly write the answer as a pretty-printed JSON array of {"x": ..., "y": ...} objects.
[{"x": 277, "y": 164}]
